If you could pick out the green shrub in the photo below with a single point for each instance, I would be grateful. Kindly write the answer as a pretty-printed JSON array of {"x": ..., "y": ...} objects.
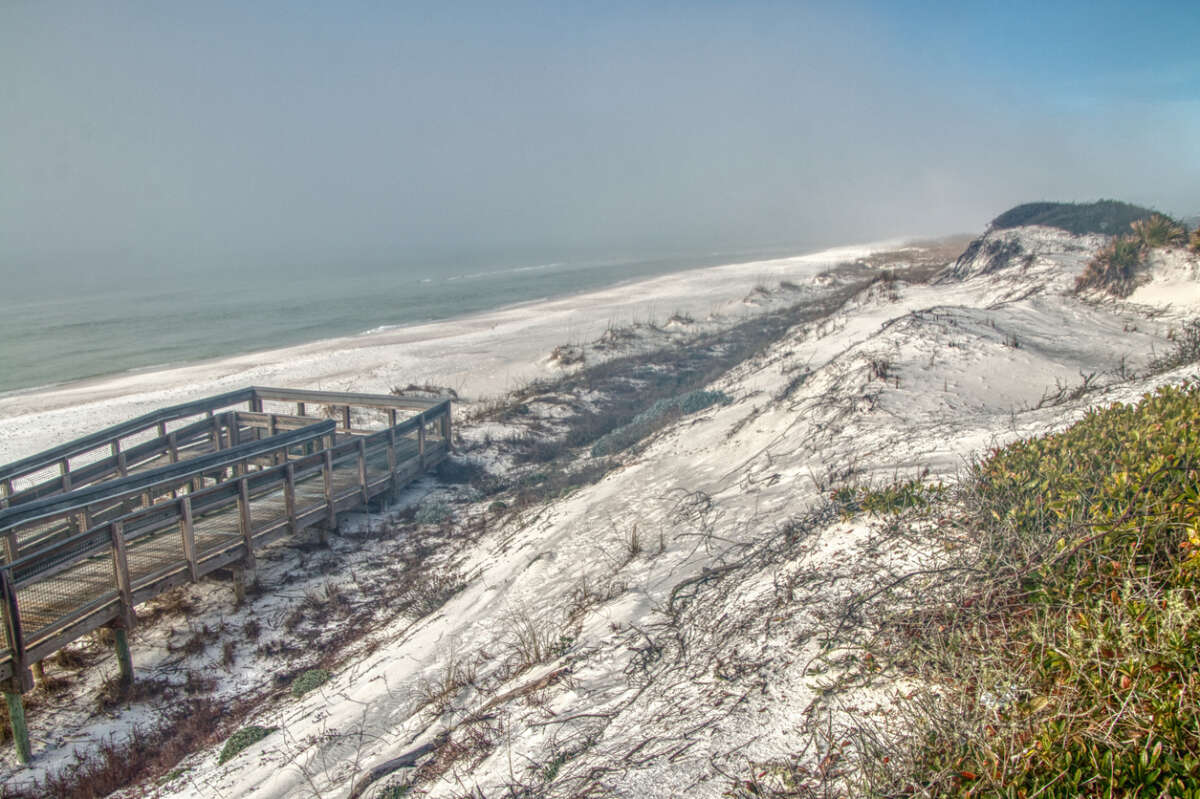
[
  {"x": 1115, "y": 267},
  {"x": 1195, "y": 245},
  {"x": 1092, "y": 630},
  {"x": 1104, "y": 216},
  {"x": 1159, "y": 231},
  {"x": 308, "y": 681},
  {"x": 243, "y": 738}
]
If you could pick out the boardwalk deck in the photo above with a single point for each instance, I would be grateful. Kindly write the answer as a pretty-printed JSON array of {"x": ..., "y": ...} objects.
[{"x": 95, "y": 527}]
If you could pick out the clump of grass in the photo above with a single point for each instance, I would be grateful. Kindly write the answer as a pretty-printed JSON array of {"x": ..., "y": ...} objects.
[
  {"x": 1185, "y": 351},
  {"x": 309, "y": 681},
  {"x": 1195, "y": 242},
  {"x": 1115, "y": 267},
  {"x": 1159, "y": 231},
  {"x": 1063, "y": 649},
  {"x": 894, "y": 498},
  {"x": 243, "y": 739}
]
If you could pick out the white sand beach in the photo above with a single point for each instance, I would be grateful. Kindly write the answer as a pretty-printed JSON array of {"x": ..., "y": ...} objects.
[{"x": 479, "y": 355}]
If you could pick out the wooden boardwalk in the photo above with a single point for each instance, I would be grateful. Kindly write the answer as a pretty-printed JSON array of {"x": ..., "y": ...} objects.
[{"x": 97, "y": 526}]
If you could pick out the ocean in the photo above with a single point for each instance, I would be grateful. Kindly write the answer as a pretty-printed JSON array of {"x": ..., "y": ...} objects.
[{"x": 58, "y": 331}]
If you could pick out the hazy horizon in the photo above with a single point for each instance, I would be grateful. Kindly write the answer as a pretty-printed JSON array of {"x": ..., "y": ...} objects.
[{"x": 144, "y": 139}]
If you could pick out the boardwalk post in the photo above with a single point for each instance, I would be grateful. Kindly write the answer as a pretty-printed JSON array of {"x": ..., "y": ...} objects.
[
  {"x": 188, "y": 530},
  {"x": 5, "y": 492},
  {"x": 446, "y": 426},
  {"x": 289, "y": 495},
  {"x": 329, "y": 506},
  {"x": 346, "y": 418},
  {"x": 119, "y": 454},
  {"x": 173, "y": 447},
  {"x": 16, "y": 719},
  {"x": 116, "y": 531},
  {"x": 391, "y": 455},
  {"x": 64, "y": 469},
  {"x": 15, "y": 638},
  {"x": 421, "y": 441},
  {"x": 245, "y": 572},
  {"x": 362, "y": 471},
  {"x": 299, "y": 408},
  {"x": 124, "y": 657}
]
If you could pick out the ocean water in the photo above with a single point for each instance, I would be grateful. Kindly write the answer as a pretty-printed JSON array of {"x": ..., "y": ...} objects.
[{"x": 57, "y": 331}]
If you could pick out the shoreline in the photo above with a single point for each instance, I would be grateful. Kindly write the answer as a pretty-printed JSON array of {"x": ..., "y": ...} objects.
[{"x": 479, "y": 354}]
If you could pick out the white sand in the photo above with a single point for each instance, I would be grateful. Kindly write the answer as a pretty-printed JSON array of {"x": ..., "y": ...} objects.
[{"x": 477, "y": 355}]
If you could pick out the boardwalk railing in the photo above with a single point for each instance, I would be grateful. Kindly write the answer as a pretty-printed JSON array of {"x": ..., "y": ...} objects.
[{"x": 82, "y": 558}]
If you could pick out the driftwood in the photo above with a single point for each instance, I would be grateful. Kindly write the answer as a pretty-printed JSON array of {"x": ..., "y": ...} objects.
[{"x": 406, "y": 760}]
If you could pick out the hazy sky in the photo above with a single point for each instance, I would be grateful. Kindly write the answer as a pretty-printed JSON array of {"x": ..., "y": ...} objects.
[{"x": 193, "y": 133}]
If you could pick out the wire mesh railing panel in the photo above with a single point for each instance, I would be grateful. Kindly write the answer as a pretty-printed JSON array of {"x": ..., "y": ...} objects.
[
  {"x": 45, "y": 603},
  {"x": 268, "y": 507},
  {"x": 216, "y": 527},
  {"x": 151, "y": 553},
  {"x": 345, "y": 474},
  {"x": 377, "y": 463},
  {"x": 140, "y": 437},
  {"x": 36, "y": 478},
  {"x": 35, "y": 533},
  {"x": 370, "y": 419}
]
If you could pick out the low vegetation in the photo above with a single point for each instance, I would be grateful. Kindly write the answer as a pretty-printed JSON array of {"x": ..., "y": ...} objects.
[
  {"x": 242, "y": 740},
  {"x": 309, "y": 681},
  {"x": 1060, "y": 642},
  {"x": 1104, "y": 216},
  {"x": 1115, "y": 268}
]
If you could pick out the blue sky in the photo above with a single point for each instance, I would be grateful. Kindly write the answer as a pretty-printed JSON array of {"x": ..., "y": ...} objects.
[{"x": 156, "y": 136}]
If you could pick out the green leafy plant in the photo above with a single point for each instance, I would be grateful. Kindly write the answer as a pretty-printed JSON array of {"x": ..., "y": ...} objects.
[
  {"x": 309, "y": 681},
  {"x": 242, "y": 739},
  {"x": 1067, "y": 665}
]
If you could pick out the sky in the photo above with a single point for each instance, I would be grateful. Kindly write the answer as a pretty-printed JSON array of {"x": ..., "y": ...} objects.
[{"x": 157, "y": 136}]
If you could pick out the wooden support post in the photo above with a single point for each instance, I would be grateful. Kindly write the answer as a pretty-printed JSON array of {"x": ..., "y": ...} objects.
[
  {"x": 421, "y": 441},
  {"x": 256, "y": 404},
  {"x": 173, "y": 447},
  {"x": 64, "y": 469},
  {"x": 331, "y": 511},
  {"x": 346, "y": 418},
  {"x": 362, "y": 471},
  {"x": 246, "y": 523},
  {"x": 119, "y": 454},
  {"x": 215, "y": 435},
  {"x": 188, "y": 530},
  {"x": 14, "y": 636},
  {"x": 235, "y": 428},
  {"x": 116, "y": 531},
  {"x": 391, "y": 455},
  {"x": 289, "y": 495},
  {"x": 162, "y": 429},
  {"x": 124, "y": 657},
  {"x": 16, "y": 719},
  {"x": 6, "y": 491},
  {"x": 299, "y": 408},
  {"x": 446, "y": 427}
]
